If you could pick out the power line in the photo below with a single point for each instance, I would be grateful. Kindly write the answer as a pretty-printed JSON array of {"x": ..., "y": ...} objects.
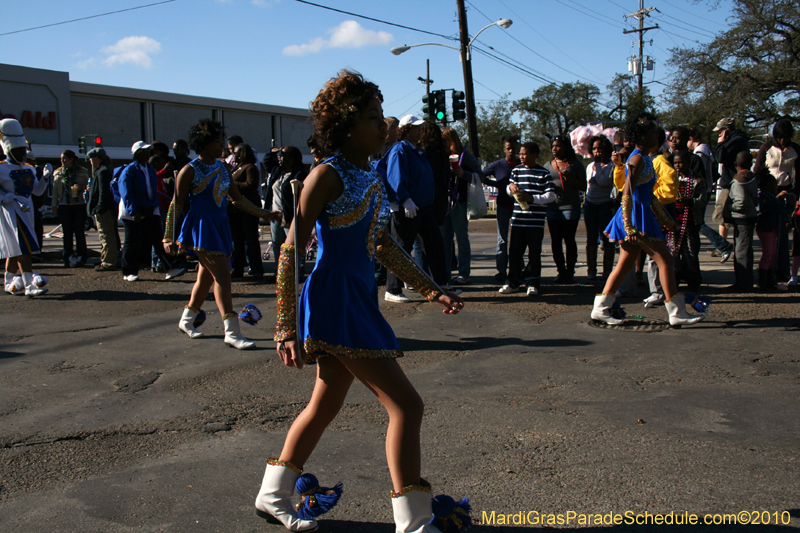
[
  {"x": 693, "y": 14},
  {"x": 85, "y": 18},
  {"x": 488, "y": 89},
  {"x": 450, "y": 38},
  {"x": 593, "y": 11},
  {"x": 702, "y": 33},
  {"x": 588, "y": 15},
  {"x": 530, "y": 49},
  {"x": 403, "y": 97}
]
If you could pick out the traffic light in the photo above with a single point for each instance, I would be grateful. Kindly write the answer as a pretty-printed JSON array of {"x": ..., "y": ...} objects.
[
  {"x": 428, "y": 105},
  {"x": 459, "y": 105},
  {"x": 98, "y": 141},
  {"x": 441, "y": 106},
  {"x": 82, "y": 145}
]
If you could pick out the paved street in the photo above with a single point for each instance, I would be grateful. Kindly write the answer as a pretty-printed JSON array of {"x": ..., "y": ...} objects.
[{"x": 113, "y": 421}]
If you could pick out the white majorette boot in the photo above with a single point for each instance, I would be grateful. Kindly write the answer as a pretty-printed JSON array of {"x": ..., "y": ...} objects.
[
  {"x": 33, "y": 287},
  {"x": 274, "y": 500},
  {"x": 187, "y": 322},
  {"x": 233, "y": 335},
  {"x": 13, "y": 284},
  {"x": 602, "y": 309},
  {"x": 676, "y": 307},
  {"x": 413, "y": 509}
]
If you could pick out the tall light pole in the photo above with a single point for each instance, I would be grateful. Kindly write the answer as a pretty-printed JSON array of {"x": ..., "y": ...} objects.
[{"x": 466, "y": 62}]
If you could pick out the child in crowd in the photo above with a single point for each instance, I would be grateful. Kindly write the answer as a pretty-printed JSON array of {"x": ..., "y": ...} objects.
[
  {"x": 744, "y": 211},
  {"x": 767, "y": 224},
  {"x": 532, "y": 189},
  {"x": 690, "y": 204}
]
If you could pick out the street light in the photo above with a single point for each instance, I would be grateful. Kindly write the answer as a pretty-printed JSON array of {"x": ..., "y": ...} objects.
[{"x": 464, "y": 53}]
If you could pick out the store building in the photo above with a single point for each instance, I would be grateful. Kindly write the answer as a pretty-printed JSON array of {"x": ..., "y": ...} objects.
[{"x": 55, "y": 112}]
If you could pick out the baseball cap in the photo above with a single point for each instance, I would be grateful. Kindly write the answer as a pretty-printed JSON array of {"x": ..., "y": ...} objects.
[
  {"x": 411, "y": 119},
  {"x": 96, "y": 152},
  {"x": 724, "y": 123},
  {"x": 139, "y": 145}
]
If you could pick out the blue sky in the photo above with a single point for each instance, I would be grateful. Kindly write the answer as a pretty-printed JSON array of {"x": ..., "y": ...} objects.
[{"x": 282, "y": 51}]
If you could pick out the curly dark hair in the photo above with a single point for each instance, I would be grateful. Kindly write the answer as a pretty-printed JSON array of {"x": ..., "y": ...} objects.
[
  {"x": 605, "y": 145},
  {"x": 567, "y": 144},
  {"x": 636, "y": 128},
  {"x": 432, "y": 137},
  {"x": 203, "y": 133},
  {"x": 336, "y": 107}
]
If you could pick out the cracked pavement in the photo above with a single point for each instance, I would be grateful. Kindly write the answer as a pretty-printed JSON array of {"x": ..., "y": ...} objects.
[{"x": 111, "y": 420}]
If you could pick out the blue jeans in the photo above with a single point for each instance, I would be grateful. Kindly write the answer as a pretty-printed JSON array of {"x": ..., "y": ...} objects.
[
  {"x": 717, "y": 241},
  {"x": 457, "y": 224},
  {"x": 596, "y": 217},
  {"x": 503, "y": 221},
  {"x": 278, "y": 237}
]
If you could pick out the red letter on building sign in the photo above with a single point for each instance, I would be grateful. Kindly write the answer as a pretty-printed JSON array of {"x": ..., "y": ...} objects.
[
  {"x": 27, "y": 120},
  {"x": 49, "y": 122}
]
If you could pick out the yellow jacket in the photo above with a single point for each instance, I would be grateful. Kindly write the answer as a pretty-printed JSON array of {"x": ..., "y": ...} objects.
[{"x": 666, "y": 187}]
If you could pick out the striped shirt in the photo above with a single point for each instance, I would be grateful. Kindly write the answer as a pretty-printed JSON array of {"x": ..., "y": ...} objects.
[{"x": 536, "y": 182}]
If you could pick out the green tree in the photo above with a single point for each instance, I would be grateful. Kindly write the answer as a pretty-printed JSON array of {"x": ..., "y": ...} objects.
[
  {"x": 556, "y": 110},
  {"x": 625, "y": 98},
  {"x": 494, "y": 121},
  {"x": 751, "y": 71}
]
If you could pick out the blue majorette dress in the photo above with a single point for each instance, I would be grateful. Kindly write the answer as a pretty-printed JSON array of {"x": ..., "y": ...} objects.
[
  {"x": 642, "y": 217},
  {"x": 339, "y": 312},
  {"x": 206, "y": 227}
]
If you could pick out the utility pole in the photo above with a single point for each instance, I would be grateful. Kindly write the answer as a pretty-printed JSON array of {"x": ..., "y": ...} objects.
[
  {"x": 427, "y": 79},
  {"x": 640, "y": 15},
  {"x": 466, "y": 63}
]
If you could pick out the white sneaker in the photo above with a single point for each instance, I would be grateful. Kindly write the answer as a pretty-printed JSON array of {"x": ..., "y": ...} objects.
[
  {"x": 653, "y": 300},
  {"x": 508, "y": 289},
  {"x": 175, "y": 272},
  {"x": 131, "y": 277},
  {"x": 396, "y": 298},
  {"x": 793, "y": 281},
  {"x": 461, "y": 280},
  {"x": 533, "y": 291}
]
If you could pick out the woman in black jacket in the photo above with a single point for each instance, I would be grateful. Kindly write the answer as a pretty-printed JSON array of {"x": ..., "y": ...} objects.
[{"x": 244, "y": 226}]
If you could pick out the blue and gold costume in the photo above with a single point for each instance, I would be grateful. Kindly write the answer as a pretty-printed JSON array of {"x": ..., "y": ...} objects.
[
  {"x": 206, "y": 227},
  {"x": 17, "y": 230},
  {"x": 339, "y": 303},
  {"x": 642, "y": 218}
]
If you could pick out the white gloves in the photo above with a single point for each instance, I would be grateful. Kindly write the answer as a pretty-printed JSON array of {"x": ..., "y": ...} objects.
[
  {"x": 7, "y": 198},
  {"x": 394, "y": 206},
  {"x": 410, "y": 207}
]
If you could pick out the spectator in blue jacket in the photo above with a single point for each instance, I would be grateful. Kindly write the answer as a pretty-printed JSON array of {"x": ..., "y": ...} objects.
[
  {"x": 410, "y": 187},
  {"x": 139, "y": 211}
]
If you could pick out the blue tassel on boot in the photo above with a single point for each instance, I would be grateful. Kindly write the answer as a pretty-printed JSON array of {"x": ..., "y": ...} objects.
[
  {"x": 250, "y": 315},
  {"x": 315, "y": 500},
  {"x": 199, "y": 319},
  {"x": 451, "y": 516},
  {"x": 698, "y": 303},
  {"x": 617, "y": 311}
]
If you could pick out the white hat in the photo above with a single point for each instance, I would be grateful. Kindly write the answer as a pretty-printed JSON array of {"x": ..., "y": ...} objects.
[
  {"x": 139, "y": 145},
  {"x": 11, "y": 135},
  {"x": 411, "y": 119}
]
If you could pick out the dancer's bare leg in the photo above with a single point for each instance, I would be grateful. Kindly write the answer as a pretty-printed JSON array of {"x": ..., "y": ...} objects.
[
  {"x": 220, "y": 269},
  {"x": 666, "y": 266},
  {"x": 201, "y": 287},
  {"x": 628, "y": 256},
  {"x": 330, "y": 391}
]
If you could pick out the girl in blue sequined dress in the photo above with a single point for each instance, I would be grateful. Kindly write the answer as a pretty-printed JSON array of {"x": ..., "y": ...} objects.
[
  {"x": 205, "y": 229},
  {"x": 636, "y": 228},
  {"x": 340, "y": 323}
]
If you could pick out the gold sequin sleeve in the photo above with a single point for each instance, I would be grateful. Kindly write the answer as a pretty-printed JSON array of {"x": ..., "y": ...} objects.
[
  {"x": 401, "y": 265},
  {"x": 661, "y": 214},
  {"x": 286, "y": 295},
  {"x": 172, "y": 215},
  {"x": 250, "y": 208},
  {"x": 627, "y": 208}
]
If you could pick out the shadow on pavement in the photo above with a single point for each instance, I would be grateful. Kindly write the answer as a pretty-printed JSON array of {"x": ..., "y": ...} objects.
[{"x": 464, "y": 344}]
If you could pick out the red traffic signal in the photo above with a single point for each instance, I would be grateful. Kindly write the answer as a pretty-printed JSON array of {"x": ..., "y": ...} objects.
[{"x": 98, "y": 141}]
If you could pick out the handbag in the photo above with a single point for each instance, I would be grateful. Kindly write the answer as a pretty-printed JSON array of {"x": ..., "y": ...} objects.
[{"x": 476, "y": 200}]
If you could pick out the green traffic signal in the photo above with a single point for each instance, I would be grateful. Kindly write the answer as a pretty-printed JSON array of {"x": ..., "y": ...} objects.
[{"x": 440, "y": 115}]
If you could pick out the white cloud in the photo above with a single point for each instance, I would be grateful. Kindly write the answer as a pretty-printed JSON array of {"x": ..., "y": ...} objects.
[
  {"x": 264, "y": 3},
  {"x": 348, "y": 34},
  {"x": 135, "y": 50}
]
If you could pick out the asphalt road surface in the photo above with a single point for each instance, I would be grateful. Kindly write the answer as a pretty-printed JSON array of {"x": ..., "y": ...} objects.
[{"x": 111, "y": 420}]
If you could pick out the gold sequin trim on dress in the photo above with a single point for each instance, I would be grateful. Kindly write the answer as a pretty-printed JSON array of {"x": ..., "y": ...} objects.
[
  {"x": 312, "y": 346},
  {"x": 202, "y": 185},
  {"x": 285, "y": 292},
  {"x": 401, "y": 265}
]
